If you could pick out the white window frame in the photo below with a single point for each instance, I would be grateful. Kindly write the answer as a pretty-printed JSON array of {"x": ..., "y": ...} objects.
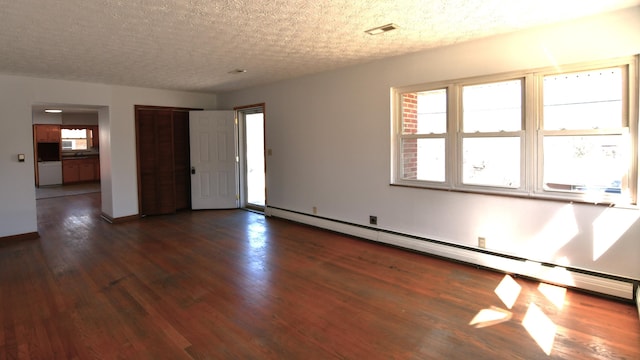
[
  {"x": 461, "y": 135},
  {"x": 531, "y": 135},
  {"x": 627, "y": 129},
  {"x": 397, "y": 172}
]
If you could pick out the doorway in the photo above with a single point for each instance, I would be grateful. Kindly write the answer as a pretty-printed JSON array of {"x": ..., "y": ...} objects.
[
  {"x": 66, "y": 148},
  {"x": 251, "y": 123}
]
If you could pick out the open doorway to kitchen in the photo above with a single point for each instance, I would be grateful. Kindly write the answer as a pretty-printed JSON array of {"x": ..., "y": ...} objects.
[
  {"x": 66, "y": 149},
  {"x": 251, "y": 121}
]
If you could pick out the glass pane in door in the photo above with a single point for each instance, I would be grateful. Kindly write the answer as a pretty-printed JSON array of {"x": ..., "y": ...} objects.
[{"x": 255, "y": 176}]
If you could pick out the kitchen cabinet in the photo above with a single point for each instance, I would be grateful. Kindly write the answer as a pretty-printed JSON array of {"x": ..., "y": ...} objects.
[
  {"x": 70, "y": 171},
  {"x": 81, "y": 170},
  {"x": 47, "y": 133}
]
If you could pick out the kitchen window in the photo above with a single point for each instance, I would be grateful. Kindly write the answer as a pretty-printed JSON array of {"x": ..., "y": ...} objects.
[
  {"x": 569, "y": 134},
  {"x": 75, "y": 139}
]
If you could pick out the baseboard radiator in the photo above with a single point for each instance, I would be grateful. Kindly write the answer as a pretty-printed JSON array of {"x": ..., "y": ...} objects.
[
  {"x": 638, "y": 300},
  {"x": 589, "y": 281}
]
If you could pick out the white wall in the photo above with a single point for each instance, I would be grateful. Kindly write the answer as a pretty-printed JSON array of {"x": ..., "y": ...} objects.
[
  {"x": 80, "y": 118},
  {"x": 117, "y": 141},
  {"x": 47, "y": 118},
  {"x": 330, "y": 136}
]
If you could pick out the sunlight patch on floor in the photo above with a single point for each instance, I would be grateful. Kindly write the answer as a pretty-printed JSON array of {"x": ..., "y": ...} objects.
[
  {"x": 508, "y": 291},
  {"x": 540, "y": 327},
  {"x": 491, "y": 316},
  {"x": 555, "y": 294}
]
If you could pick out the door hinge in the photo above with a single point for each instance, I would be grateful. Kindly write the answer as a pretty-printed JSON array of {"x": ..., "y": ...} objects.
[{"x": 237, "y": 159}]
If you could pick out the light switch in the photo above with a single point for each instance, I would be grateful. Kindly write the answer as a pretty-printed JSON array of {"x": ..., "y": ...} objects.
[{"x": 21, "y": 157}]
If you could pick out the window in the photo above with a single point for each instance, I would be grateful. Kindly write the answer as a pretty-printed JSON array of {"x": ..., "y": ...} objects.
[
  {"x": 492, "y": 124},
  {"x": 75, "y": 139},
  {"x": 584, "y": 132},
  {"x": 423, "y": 142},
  {"x": 566, "y": 135}
]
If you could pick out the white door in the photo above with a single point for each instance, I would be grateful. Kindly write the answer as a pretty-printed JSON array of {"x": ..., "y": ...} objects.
[{"x": 214, "y": 170}]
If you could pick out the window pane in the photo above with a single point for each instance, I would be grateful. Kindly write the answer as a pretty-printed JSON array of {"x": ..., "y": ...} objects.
[
  {"x": 491, "y": 161},
  {"x": 424, "y": 112},
  {"x": 73, "y": 133},
  {"x": 74, "y": 139},
  {"x": 492, "y": 107},
  {"x": 584, "y": 163},
  {"x": 583, "y": 100},
  {"x": 423, "y": 159}
]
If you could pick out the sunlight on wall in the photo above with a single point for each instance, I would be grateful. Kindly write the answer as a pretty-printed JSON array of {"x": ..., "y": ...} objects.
[
  {"x": 551, "y": 57},
  {"x": 558, "y": 275},
  {"x": 497, "y": 232},
  {"x": 559, "y": 231},
  {"x": 609, "y": 227}
]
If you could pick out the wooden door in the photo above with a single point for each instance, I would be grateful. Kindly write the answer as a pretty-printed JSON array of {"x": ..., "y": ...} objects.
[{"x": 156, "y": 161}]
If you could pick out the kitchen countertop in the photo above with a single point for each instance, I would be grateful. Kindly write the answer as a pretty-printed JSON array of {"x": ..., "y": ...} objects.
[{"x": 80, "y": 155}]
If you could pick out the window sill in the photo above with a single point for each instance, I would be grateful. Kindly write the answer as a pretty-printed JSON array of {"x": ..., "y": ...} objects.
[{"x": 546, "y": 196}]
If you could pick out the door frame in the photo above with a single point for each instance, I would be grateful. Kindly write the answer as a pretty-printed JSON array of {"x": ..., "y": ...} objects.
[{"x": 242, "y": 153}]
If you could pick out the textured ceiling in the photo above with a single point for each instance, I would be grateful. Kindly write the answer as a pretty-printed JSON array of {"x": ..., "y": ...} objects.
[{"x": 194, "y": 44}]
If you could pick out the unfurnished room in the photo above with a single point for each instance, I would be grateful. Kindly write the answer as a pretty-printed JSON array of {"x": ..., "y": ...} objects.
[{"x": 240, "y": 179}]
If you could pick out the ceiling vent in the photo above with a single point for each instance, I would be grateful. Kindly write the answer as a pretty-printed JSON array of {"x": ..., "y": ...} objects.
[{"x": 382, "y": 29}]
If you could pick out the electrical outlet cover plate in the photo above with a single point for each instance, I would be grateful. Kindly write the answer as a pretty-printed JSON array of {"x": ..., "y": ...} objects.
[{"x": 482, "y": 242}]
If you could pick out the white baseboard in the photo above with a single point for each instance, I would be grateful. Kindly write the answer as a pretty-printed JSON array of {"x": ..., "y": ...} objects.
[
  {"x": 638, "y": 300},
  {"x": 552, "y": 274}
]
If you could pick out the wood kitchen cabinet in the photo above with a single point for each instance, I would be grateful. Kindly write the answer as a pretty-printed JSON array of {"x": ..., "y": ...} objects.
[
  {"x": 80, "y": 170},
  {"x": 70, "y": 171},
  {"x": 47, "y": 133}
]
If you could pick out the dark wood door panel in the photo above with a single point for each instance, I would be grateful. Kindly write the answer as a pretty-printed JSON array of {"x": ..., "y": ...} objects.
[
  {"x": 182, "y": 161},
  {"x": 162, "y": 136}
]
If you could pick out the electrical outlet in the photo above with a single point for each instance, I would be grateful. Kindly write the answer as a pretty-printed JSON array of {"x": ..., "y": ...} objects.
[
  {"x": 482, "y": 242},
  {"x": 373, "y": 220},
  {"x": 315, "y": 210}
]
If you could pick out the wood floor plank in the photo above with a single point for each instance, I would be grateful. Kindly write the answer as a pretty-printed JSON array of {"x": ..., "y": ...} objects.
[{"x": 232, "y": 284}]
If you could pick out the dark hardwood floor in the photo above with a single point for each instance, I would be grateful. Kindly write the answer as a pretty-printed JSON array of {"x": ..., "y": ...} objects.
[{"x": 233, "y": 285}]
